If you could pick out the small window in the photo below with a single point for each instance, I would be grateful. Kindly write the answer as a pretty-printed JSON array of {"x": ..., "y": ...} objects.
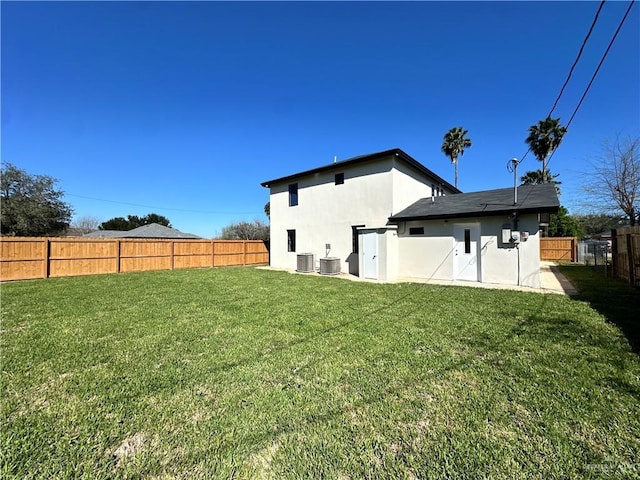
[
  {"x": 339, "y": 178},
  {"x": 467, "y": 240},
  {"x": 293, "y": 194},
  {"x": 291, "y": 240},
  {"x": 416, "y": 231}
]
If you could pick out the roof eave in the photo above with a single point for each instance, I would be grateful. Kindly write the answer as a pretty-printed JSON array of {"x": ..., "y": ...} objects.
[
  {"x": 365, "y": 158},
  {"x": 493, "y": 213}
]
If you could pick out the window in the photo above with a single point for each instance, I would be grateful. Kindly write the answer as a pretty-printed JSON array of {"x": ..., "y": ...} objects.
[
  {"x": 293, "y": 194},
  {"x": 291, "y": 240},
  {"x": 339, "y": 178},
  {"x": 416, "y": 230},
  {"x": 467, "y": 240}
]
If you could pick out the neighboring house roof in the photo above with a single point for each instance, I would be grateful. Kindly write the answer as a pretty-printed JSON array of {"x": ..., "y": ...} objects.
[
  {"x": 531, "y": 199},
  {"x": 153, "y": 230},
  {"x": 105, "y": 234},
  {"x": 362, "y": 159}
]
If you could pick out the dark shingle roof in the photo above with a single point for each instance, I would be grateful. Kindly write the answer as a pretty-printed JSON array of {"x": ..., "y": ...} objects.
[
  {"x": 531, "y": 199},
  {"x": 366, "y": 158},
  {"x": 153, "y": 230}
]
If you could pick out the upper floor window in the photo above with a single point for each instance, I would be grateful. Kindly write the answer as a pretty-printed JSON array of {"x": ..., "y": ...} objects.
[
  {"x": 293, "y": 194},
  {"x": 339, "y": 178}
]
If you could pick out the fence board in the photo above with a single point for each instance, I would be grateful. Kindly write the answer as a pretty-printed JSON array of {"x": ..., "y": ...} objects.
[
  {"x": 559, "y": 249},
  {"x": 626, "y": 254},
  {"x": 24, "y": 258}
]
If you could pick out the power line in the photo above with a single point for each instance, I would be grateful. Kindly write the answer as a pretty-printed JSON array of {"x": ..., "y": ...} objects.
[
  {"x": 584, "y": 42},
  {"x": 160, "y": 208},
  {"x": 593, "y": 77},
  {"x": 575, "y": 62}
]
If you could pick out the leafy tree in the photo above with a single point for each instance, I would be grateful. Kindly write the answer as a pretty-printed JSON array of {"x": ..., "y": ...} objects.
[
  {"x": 544, "y": 137},
  {"x": 256, "y": 230},
  {"x": 154, "y": 218},
  {"x": 267, "y": 210},
  {"x": 562, "y": 224},
  {"x": 30, "y": 205},
  {"x": 536, "y": 177},
  {"x": 596, "y": 223},
  {"x": 133, "y": 221},
  {"x": 614, "y": 182},
  {"x": 453, "y": 145}
]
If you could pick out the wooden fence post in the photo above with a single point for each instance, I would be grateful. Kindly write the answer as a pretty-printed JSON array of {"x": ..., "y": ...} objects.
[
  {"x": 117, "y": 256},
  {"x": 173, "y": 248},
  {"x": 244, "y": 252},
  {"x": 213, "y": 253},
  {"x": 632, "y": 269},
  {"x": 614, "y": 252},
  {"x": 47, "y": 256}
]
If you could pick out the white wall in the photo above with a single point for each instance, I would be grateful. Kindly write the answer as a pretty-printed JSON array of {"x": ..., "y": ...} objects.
[
  {"x": 326, "y": 212},
  {"x": 371, "y": 193},
  {"x": 431, "y": 256}
]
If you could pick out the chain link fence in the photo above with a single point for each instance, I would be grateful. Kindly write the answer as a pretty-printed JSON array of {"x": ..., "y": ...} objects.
[{"x": 595, "y": 253}]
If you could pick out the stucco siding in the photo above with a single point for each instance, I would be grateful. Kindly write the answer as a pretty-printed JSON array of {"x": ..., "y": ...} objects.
[
  {"x": 427, "y": 256},
  {"x": 326, "y": 212},
  {"x": 431, "y": 256}
]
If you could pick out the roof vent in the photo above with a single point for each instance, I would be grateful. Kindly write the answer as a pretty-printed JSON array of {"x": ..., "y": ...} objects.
[
  {"x": 305, "y": 263},
  {"x": 329, "y": 266}
]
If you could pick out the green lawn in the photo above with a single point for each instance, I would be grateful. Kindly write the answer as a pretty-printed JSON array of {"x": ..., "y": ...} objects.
[{"x": 247, "y": 373}]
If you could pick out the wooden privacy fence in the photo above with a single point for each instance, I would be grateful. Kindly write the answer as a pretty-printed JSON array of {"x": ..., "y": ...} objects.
[
  {"x": 22, "y": 258},
  {"x": 558, "y": 249},
  {"x": 625, "y": 254}
]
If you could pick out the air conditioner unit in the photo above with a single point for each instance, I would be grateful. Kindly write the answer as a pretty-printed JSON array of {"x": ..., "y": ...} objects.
[
  {"x": 305, "y": 263},
  {"x": 329, "y": 266}
]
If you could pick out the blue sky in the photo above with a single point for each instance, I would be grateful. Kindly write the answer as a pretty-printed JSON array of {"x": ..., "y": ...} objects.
[{"x": 183, "y": 108}]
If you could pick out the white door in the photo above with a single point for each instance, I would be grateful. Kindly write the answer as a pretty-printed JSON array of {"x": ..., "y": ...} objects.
[
  {"x": 370, "y": 254},
  {"x": 466, "y": 264}
]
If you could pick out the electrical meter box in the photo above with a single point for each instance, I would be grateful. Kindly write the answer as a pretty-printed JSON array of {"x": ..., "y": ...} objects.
[
  {"x": 506, "y": 235},
  {"x": 524, "y": 236},
  {"x": 515, "y": 237}
]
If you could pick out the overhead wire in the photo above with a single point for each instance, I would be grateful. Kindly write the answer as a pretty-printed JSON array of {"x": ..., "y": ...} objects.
[
  {"x": 162, "y": 208},
  {"x": 573, "y": 66},
  {"x": 595, "y": 73},
  {"x": 511, "y": 166}
]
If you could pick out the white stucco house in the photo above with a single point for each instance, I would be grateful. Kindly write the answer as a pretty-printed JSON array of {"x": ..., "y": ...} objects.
[{"x": 387, "y": 217}]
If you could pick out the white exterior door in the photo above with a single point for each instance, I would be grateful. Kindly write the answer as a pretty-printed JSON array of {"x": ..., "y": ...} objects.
[
  {"x": 370, "y": 254},
  {"x": 466, "y": 259}
]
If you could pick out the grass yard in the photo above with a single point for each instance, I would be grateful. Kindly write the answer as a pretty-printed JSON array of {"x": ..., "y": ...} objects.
[{"x": 246, "y": 373}]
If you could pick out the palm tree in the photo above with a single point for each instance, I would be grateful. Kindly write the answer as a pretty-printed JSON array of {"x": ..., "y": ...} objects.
[
  {"x": 544, "y": 138},
  {"x": 536, "y": 177},
  {"x": 454, "y": 143}
]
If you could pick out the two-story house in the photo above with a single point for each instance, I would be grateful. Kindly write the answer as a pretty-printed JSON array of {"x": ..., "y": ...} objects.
[{"x": 388, "y": 217}]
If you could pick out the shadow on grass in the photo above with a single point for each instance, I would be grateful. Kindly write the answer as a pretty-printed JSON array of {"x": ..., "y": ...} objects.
[{"x": 616, "y": 300}]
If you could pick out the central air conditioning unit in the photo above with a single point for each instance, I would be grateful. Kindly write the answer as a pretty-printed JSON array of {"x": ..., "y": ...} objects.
[
  {"x": 329, "y": 266},
  {"x": 305, "y": 263}
]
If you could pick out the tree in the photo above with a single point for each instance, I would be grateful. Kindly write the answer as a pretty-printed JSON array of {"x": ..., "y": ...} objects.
[
  {"x": 544, "y": 138},
  {"x": 614, "y": 182},
  {"x": 267, "y": 210},
  {"x": 453, "y": 145},
  {"x": 562, "y": 224},
  {"x": 133, "y": 221},
  {"x": 596, "y": 223},
  {"x": 30, "y": 205},
  {"x": 536, "y": 177},
  {"x": 256, "y": 230},
  {"x": 86, "y": 224}
]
